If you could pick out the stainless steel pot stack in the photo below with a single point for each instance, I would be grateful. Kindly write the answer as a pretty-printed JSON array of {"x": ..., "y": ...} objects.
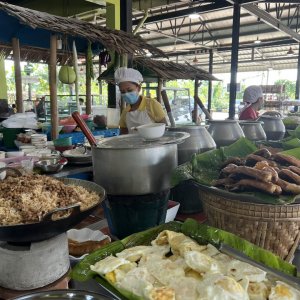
[
  {"x": 273, "y": 126},
  {"x": 199, "y": 141},
  {"x": 225, "y": 132}
]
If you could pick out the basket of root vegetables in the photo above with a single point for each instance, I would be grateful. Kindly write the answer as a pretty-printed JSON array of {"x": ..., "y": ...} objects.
[{"x": 253, "y": 193}]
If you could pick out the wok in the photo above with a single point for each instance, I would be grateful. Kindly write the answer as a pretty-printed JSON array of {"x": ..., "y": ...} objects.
[{"x": 48, "y": 228}]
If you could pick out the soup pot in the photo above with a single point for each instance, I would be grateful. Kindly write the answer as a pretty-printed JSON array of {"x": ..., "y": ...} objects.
[
  {"x": 225, "y": 132},
  {"x": 199, "y": 141},
  {"x": 253, "y": 130},
  {"x": 129, "y": 165},
  {"x": 273, "y": 127}
]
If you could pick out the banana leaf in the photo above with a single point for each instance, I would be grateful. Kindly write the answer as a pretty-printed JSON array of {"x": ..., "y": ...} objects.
[
  {"x": 240, "y": 148},
  {"x": 204, "y": 234},
  {"x": 205, "y": 167},
  {"x": 182, "y": 173},
  {"x": 292, "y": 152},
  {"x": 82, "y": 271},
  {"x": 291, "y": 144},
  {"x": 145, "y": 237}
]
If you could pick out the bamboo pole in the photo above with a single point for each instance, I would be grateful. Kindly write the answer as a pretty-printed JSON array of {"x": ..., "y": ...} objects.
[
  {"x": 159, "y": 89},
  {"x": 53, "y": 86},
  {"x": 18, "y": 76},
  {"x": 200, "y": 103},
  {"x": 88, "y": 83},
  {"x": 196, "y": 91}
]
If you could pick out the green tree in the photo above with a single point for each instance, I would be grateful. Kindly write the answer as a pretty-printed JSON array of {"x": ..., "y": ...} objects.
[{"x": 290, "y": 87}]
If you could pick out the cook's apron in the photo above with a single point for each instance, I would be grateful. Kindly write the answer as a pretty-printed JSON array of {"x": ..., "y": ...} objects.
[{"x": 136, "y": 118}]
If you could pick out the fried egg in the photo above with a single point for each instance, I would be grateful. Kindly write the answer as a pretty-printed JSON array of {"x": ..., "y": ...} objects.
[
  {"x": 283, "y": 291},
  {"x": 164, "y": 270},
  {"x": 200, "y": 262},
  {"x": 161, "y": 293},
  {"x": 109, "y": 264},
  {"x": 185, "y": 288},
  {"x": 137, "y": 281},
  {"x": 134, "y": 254},
  {"x": 239, "y": 270},
  {"x": 210, "y": 250},
  {"x": 179, "y": 242},
  {"x": 220, "y": 287},
  {"x": 258, "y": 291}
]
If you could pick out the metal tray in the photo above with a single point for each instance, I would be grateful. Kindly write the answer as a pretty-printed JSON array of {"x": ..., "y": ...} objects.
[
  {"x": 64, "y": 295},
  {"x": 274, "y": 275}
]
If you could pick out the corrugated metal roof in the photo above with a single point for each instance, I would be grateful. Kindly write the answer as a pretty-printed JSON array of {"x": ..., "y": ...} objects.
[{"x": 186, "y": 38}]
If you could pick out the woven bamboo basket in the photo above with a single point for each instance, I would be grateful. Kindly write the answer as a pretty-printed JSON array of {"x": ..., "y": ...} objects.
[{"x": 273, "y": 227}]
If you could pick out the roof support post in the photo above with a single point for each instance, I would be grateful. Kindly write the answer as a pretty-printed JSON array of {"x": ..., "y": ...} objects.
[
  {"x": 88, "y": 86},
  {"x": 18, "y": 76},
  {"x": 234, "y": 58},
  {"x": 53, "y": 86},
  {"x": 210, "y": 70},
  {"x": 126, "y": 25},
  {"x": 297, "y": 95},
  {"x": 113, "y": 13},
  {"x": 3, "y": 83}
]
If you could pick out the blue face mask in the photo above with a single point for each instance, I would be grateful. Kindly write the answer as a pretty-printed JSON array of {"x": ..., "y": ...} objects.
[{"x": 131, "y": 97}]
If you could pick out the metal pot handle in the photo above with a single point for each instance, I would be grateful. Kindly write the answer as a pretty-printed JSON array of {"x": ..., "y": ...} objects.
[
  {"x": 17, "y": 172},
  {"x": 75, "y": 211}
]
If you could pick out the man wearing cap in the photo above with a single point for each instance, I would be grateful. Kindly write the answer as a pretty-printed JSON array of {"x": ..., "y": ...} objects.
[
  {"x": 139, "y": 110},
  {"x": 253, "y": 99}
]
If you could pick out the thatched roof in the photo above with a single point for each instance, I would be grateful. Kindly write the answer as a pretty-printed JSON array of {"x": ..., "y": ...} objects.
[
  {"x": 169, "y": 70},
  {"x": 37, "y": 55},
  {"x": 153, "y": 69},
  {"x": 35, "y": 24}
]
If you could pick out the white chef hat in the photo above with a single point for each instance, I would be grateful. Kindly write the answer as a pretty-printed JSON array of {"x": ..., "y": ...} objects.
[
  {"x": 252, "y": 93},
  {"x": 128, "y": 74}
]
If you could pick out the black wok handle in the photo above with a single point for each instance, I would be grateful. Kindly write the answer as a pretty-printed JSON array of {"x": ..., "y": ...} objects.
[
  {"x": 19, "y": 173},
  {"x": 75, "y": 211}
]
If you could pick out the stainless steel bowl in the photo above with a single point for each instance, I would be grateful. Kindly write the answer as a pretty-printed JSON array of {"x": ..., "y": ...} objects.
[{"x": 51, "y": 165}]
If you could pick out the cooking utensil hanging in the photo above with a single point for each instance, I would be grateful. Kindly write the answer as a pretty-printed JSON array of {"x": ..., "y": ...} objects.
[{"x": 47, "y": 227}]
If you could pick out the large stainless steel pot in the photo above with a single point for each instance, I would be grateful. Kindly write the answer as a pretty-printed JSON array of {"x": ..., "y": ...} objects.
[
  {"x": 273, "y": 126},
  {"x": 199, "y": 141},
  {"x": 127, "y": 165},
  {"x": 225, "y": 132},
  {"x": 253, "y": 130}
]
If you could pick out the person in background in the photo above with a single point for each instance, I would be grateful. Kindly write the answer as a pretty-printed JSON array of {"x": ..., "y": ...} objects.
[
  {"x": 81, "y": 101},
  {"x": 14, "y": 107},
  {"x": 140, "y": 110},
  {"x": 196, "y": 117},
  {"x": 40, "y": 108},
  {"x": 253, "y": 99}
]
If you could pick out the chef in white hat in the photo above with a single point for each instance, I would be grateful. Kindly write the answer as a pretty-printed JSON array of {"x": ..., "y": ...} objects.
[
  {"x": 253, "y": 99},
  {"x": 139, "y": 110}
]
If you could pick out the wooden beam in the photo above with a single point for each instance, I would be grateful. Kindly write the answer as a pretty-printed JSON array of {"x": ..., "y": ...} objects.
[
  {"x": 88, "y": 84},
  {"x": 18, "y": 76},
  {"x": 159, "y": 89},
  {"x": 53, "y": 86}
]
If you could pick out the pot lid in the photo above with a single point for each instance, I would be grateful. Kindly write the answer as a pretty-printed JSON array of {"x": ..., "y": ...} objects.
[
  {"x": 133, "y": 141},
  {"x": 185, "y": 127},
  {"x": 222, "y": 121}
]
